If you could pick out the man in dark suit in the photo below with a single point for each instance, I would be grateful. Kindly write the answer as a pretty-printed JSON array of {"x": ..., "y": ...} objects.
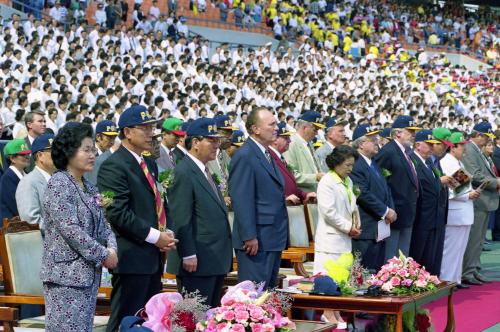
[
  {"x": 3, "y": 161},
  {"x": 260, "y": 229},
  {"x": 18, "y": 153},
  {"x": 137, "y": 216},
  {"x": 293, "y": 194},
  {"x": 425, "y": 240},
  {"x": 204, "y": 254},
  {"x": 180, "y": 150},
  {"x": 403, "y": 182},
  {"x": 495, "y": 232},
  {"x": 375, "y": 200}
]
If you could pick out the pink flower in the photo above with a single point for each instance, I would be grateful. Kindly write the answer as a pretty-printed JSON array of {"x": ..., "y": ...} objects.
[
  {"x": 237, "y": 328},
  {"x": 421, "y": 283},
  {"x": 385, "y": 277},
  {"x": 435, "y": 280},
  {"x": 212, "y": 324},
  {"x": 268, "y": 327},
  {"x": 282, "y": 322},
  {"x": 387, "y": 287},
  {"x": 395, "y": 281},
  {"x": 406, "y": 282},
  {"x": 221, "y": 326},
  {"x": 241, "y": 316},
  {"x": 256, "y": 314},
  {"x": 256, "y": 327},
  {"x": 403, "y": 273},
  {"x": 228, "y": 315}
]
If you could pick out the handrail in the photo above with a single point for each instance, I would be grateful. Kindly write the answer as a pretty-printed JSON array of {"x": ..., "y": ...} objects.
[
  {"x": 229, "y": 24},
  {"x": 231, "y": 45}
]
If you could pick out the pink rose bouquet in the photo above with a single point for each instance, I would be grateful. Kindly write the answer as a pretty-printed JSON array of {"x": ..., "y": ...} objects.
[
  {"x": 245, "y": 308},
  {"x": 404, "y": 275}
]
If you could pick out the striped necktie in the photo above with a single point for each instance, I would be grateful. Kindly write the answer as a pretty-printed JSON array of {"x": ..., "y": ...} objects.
[{"x": 160, "y": 211}]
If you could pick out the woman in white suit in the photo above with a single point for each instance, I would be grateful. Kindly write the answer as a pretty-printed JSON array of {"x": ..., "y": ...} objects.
[
  {"x": 338, "y": 220},
  {"x": 460, "y": 215}
]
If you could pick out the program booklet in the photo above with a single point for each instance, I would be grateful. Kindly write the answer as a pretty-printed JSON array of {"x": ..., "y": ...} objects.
[{"x": 463, "y": 180}]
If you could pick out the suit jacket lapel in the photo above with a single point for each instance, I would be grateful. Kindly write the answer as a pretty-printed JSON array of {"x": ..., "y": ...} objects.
[
  {"x": 275, "y": 173},
  {"x": 135, "y": 167},
  {"x": 202, "y": 179},
  {"x": 483, "y": 158},
  {"x": 401, "y": 155},
  {"x": 376, "y": 178},
  {"x": 429, "y": 174}
]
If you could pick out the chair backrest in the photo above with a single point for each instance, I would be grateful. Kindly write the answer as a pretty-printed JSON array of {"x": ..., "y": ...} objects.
[
  {"x": 299, "y": 236},
  {"x": 312, "y": 218},
  {"x": 21, "y": 249}
]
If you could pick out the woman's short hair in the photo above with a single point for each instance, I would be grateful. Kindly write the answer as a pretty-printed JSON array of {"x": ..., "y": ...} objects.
[
  {"x": 67, "y": 142},
  {"x": 339, "y": 155}
]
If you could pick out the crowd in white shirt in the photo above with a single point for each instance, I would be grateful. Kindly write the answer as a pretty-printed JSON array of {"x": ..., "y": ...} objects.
[{"x": 88, "y": 75}]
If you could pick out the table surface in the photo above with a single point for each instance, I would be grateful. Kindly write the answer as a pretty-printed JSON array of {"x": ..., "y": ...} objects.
[
  {"x": 385, "y": 304},
  {"x": 312, "y": 326}
]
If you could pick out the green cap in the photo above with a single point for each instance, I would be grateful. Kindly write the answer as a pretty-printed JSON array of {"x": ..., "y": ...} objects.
[
  {"x": 443, "y": 135},
  {"x": 458, "y": 138},
  {"x": 173, "y": 125},
  {"x": 16, "y": 146}
]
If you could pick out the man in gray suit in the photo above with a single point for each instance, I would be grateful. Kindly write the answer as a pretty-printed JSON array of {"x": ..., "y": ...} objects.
[
  {"x": 31, "y": 188},
  {"x": 335, "y": 136},
  {"x": 171, "y": 133},
  {"x": 92, "y": 175},
  {"x": 220, "y": 166},
  {"x": 480, "y": 169}
]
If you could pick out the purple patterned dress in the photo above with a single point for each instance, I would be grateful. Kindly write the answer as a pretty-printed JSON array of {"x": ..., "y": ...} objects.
[{"x": 76, "y": 239}]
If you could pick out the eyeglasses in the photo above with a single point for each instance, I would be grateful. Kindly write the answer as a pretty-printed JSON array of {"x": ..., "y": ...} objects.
[
  {"x": 89, "y": 151},
  {"x": 145, "y": 129}
]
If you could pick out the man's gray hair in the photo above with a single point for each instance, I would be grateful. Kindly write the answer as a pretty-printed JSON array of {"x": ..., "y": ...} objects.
[
  {"x": 358, "y": 141},
  {"x": 302, "y": 123}
]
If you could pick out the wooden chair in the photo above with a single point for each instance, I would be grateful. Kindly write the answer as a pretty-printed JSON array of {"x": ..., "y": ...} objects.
[
  {"x": 307, "y": 221},
  {"x": 21, "y": 252},
  {"x": 8, "y": 318}
]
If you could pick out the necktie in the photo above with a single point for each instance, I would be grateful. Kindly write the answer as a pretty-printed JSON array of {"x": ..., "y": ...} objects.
[
  {"x": 171, "y": 155},
  {"x": 313, "y": 155},
  {"x": 412, "y": 168},
  {"x": 160, "y": 211},
  {"x": 211, "y": 182},
  {"x": 268, "y": 156}
]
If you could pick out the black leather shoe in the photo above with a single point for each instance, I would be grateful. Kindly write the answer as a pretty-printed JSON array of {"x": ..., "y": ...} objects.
[
  {"x": 472, "y": 282},
  {"x": 486, "y": 249},
  {"x": 462, "y": 286},
  {"x": 481, "y": 278}
]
